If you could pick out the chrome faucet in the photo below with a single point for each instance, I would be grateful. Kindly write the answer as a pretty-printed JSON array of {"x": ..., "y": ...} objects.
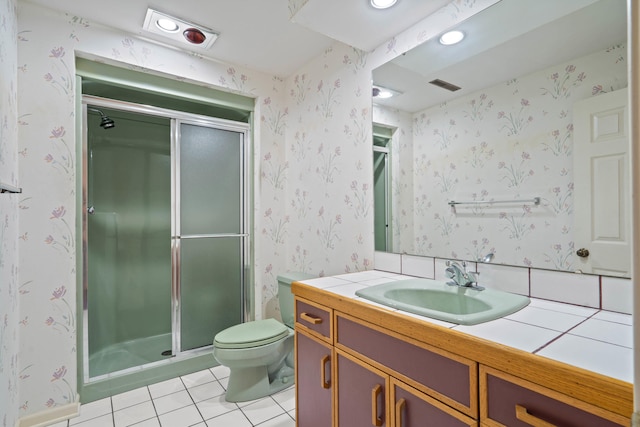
[{"x": 459, "y": 275}]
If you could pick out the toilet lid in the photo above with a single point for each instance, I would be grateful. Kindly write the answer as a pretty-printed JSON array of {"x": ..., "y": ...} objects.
[{"x": 251, "y": 334}]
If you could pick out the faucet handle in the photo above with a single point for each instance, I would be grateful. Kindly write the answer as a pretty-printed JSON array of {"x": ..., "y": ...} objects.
[{"x": 449, "y": 273}]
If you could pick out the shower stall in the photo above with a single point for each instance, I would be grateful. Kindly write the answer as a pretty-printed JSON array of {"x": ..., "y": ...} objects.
[{"x": 165, "y": 234}]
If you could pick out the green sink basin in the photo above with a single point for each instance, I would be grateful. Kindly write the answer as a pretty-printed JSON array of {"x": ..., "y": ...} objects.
[{"x": 438, "y": 300}]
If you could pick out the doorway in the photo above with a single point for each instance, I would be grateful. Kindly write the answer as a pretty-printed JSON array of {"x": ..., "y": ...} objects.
[{"x": 381, "y": 187}]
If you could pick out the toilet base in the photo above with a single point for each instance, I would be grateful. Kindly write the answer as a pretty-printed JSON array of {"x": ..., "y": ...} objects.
[{"x": 255, "y": 382}]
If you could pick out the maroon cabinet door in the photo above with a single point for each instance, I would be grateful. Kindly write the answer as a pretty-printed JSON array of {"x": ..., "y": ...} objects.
[
  {"x": 361, "y": 395},
  {"x": 412, "y": 409},
  {"x": 313, "y": 387}
]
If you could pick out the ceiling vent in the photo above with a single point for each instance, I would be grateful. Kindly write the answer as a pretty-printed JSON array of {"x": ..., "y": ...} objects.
[{"x": 445, "y": 85}]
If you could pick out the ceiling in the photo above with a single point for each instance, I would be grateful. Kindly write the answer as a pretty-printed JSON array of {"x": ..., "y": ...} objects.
[
  {"x": 510, "y": 39},
  {"x": 259, "y": 34}
]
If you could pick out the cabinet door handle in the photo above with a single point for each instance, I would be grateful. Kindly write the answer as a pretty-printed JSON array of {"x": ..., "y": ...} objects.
[
  {"x": 399, "y": 409},
  {"x": 311, "y": 319},
  {"x": 523, "y": 415},
  {"x": 375, "y": 393},
  {"x": 323, "y": 369}
]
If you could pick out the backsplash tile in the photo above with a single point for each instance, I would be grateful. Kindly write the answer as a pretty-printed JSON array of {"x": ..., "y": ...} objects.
[
  {"x": 579, "y": 289},
  {"x": 617, "y": 294},
  {"x": 440, "y": 265},
  {"x": 418, "y": 266},
  {"x": 504, "y": 278},
  {"x": 386, "y": 261}
]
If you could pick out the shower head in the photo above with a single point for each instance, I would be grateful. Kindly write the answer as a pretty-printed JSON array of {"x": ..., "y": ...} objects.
[{"x": 105, "y": 122}]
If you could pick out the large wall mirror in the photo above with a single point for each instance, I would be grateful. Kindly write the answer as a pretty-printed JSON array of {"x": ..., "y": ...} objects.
[{"x": 513, "y": 141}]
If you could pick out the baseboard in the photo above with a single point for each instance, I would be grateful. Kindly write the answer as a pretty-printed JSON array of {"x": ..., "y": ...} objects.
[{"x": 50, "y": 416}]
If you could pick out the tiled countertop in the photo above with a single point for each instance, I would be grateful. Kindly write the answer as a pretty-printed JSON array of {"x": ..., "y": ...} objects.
[{"x": 588, "y": 338}]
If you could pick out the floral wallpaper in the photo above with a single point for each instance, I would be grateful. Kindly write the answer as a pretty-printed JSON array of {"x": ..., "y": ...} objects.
[
  {"x": 510, "y": 141},
  {"x": 313, "y": 167},
  {"x": 9, "y": 313}
]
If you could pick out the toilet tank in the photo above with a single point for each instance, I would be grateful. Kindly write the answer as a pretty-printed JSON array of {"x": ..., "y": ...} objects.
[{"x": 285, "y": 297}]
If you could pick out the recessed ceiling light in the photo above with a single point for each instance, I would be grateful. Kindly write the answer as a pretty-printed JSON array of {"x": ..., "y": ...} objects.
[
  {"x": 382, "y": 4},
  {"x": 381, "y": 92},
  {"x": 451, "y": 37},
  {"x": 168, "y": 25}
]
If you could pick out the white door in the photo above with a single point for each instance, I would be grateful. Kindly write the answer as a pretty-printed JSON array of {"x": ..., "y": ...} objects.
[{"x": 602, "y": 208}]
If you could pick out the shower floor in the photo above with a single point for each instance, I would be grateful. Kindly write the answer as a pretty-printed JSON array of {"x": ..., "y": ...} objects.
[{"x": 129, "y": 354}]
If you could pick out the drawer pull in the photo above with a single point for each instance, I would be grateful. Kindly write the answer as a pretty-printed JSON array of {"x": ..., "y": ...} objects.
[
  {"x": 323, "y": 369},
  {"x": 375, "y": 394},
  {"x": 523, "y": 415},
  {"x": 311, "y": 319},
  {"x": 399, "y": 409}
]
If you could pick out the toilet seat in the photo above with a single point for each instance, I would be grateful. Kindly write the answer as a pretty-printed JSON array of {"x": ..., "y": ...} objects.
[{"x": 251, "y": 334}]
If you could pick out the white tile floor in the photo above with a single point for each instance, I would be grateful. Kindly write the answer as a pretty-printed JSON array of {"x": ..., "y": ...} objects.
[{"x": 192, "y": 400}]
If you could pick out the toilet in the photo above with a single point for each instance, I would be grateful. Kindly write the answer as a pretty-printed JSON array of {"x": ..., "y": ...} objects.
[{"x": 259, "y": 354}]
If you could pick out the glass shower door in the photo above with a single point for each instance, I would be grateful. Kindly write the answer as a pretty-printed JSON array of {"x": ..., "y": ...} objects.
[
  {"x": 128, "y": 232},
  {"x": 210, "y": 233}
]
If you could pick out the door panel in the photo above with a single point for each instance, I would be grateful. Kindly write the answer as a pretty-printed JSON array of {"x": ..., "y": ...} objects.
[
  {"x": 210, "y": 289},
  {"x": 128, "y": 240},
  {"x": 210, "y": 180},
  {"x": 211, "y": 223},
  {"x": 362, "y": 394},
  {"x": 313, "y": 382},
  {"x": 602, "y": 198},
  {"x": 415, "y": 409}
]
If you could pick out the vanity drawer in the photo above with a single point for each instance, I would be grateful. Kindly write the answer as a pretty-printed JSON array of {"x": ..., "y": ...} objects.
[
  {"x": 447, "y": 377},
  {"x": 315, "y": 318},
  {"x": 509, "y": 401}
]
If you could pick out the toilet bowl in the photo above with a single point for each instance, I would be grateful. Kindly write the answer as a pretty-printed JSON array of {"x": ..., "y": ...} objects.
[{"x": 259, "y": 354}]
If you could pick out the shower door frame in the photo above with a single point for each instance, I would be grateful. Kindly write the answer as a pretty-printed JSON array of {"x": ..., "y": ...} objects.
[{"x": 176, "y": 118}]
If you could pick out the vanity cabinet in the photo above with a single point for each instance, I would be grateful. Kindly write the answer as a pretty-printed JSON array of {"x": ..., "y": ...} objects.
[
  {"x": 508, "y": 401},
  {"x": 384, "y": 368}
]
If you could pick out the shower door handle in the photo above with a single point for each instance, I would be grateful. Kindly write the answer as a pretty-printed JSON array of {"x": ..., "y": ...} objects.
[{"x": 91, "y": 210}]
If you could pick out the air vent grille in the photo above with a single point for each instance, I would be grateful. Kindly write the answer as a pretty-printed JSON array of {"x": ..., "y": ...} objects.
[{"x": 445, "y": 85}]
